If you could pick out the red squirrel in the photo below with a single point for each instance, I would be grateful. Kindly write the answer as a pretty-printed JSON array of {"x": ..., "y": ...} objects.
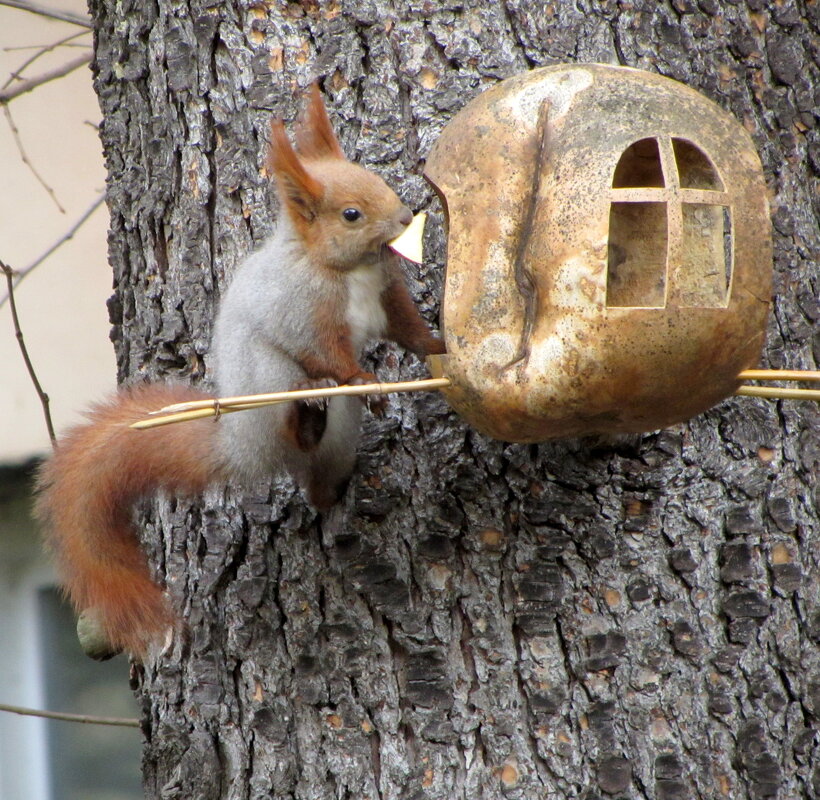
[{"x": 296, "y": 315}]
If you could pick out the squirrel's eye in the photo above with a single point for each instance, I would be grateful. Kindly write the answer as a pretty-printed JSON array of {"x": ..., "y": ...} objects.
[{"x": 351, "y": 214}]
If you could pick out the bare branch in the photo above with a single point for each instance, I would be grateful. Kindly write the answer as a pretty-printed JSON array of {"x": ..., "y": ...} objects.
[
  {"x": 25, "y": 159},
  {"x": 7, "y": 94},
  {"x": 32, "y": 83},
  {"x": 69, "y": 234},
  {"x": 20, "y": 47},
  {"x": 30, "y": 712},
  {"x": 41, "y": 51},
  {"x": 44, "y": 11},
  {"x": 44, "y": 401}
]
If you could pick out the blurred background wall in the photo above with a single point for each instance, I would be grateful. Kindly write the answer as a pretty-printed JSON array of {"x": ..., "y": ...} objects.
[{"x": 62, "y": 308}]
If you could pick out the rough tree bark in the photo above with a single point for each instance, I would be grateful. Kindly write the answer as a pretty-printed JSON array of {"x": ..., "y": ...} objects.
[{"x": 478, "y": 620}]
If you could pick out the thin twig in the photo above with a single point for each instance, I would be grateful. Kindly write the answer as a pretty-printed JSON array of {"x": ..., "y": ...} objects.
[
  {"x": 41, "y": 51},
  {"x": 25, "y": 159},
  {"x": 7, "y": 95},
  {"x": 20, "y": 47},
  {"x": 52, "y": 13},
  {"x": 20, "y": 274},
  {"x": 123, "y": 722},
  {"x": 44, "y": 401}
]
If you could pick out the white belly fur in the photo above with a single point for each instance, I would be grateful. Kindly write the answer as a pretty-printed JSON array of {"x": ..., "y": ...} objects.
[{"x": 365, "y": 313}]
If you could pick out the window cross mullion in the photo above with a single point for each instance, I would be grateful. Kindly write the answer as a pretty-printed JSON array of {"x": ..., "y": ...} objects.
[
  {"x": 707, "y": 197},
  {"x": 640, "y": 195}
]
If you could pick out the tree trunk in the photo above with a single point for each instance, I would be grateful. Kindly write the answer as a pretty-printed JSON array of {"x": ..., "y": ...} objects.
[{"x": 477, "y": 620}]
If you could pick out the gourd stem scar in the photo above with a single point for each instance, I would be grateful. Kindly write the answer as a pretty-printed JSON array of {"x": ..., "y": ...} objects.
[{"x": 524, "y": 276}]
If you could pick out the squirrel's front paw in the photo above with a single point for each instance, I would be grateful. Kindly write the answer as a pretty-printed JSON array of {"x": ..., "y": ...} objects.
[
  {"x": 307, "y": 419},
  {"x": 376, "y": 403},
  {"x": 315, "y": 383}
]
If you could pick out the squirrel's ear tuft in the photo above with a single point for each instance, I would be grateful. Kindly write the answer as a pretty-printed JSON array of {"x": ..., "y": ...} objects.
[
  {"x": 300, "y": 191},
  {"x": 314, "y": 134}
]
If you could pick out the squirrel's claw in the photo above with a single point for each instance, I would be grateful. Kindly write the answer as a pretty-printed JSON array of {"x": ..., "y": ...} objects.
[
  {"x": 315, "y": 383},
  {"x": 376, "y": 403}
]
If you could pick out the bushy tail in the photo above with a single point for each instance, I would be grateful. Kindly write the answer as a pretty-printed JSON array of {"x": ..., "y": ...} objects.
[{"x": 85, "y": 495}]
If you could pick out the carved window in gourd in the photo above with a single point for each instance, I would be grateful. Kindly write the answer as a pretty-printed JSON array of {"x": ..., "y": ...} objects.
[{"x": 670, "y": 228}]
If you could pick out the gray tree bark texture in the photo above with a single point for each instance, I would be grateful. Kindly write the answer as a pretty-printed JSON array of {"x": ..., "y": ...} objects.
[{"x": 477, "y": 620}]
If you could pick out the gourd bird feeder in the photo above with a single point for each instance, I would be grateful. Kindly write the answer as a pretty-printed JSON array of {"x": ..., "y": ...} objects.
[{"x": 608, "y": 257}]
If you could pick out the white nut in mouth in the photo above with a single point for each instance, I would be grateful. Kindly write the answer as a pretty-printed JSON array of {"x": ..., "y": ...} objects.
[{"x": 409, "y": 243}]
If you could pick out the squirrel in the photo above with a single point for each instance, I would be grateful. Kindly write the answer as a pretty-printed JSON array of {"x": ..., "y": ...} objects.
[{"x": 296, "y": 315}]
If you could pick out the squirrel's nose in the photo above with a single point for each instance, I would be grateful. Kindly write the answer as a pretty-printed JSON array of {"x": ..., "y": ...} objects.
[{"x": 405, "y": 215}]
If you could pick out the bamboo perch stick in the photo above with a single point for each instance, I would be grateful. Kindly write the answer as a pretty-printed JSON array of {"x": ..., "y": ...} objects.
[
  {"x": 776, "y": 393},
  {"x": 197, "y": 409},
  {"x": 779, "y": 375},
  {"x": 308, "y": 394}
]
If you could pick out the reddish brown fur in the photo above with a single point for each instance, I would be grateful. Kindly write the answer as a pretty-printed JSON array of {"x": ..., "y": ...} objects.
[
  {"x": 405, "y": 325},
  {"x": 315, "y": 137},
  {"x": 321, "y": 495},
  {"x": 331, "y": 354},
  {"x": 300, "y": 192},
  {"x": 86, "y": 491}
]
